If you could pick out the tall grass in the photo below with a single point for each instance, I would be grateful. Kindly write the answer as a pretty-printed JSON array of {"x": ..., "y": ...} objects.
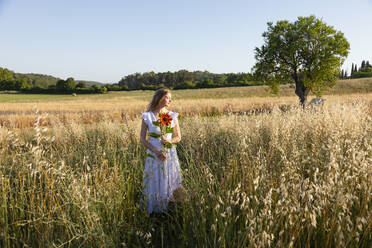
[{"x": 280, "y": 179}]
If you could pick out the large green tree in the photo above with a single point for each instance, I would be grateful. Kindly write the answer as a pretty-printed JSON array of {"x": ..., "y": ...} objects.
[
  {"x": 307, "y": 52},
  {"x": 66, "y": 85},
  {"x": 70, "y": 84}
]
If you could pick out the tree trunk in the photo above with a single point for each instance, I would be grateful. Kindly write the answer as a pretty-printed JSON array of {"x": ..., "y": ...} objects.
[{"x": 301, "y": 90}]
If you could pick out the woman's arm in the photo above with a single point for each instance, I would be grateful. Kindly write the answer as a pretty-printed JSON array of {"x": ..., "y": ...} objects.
[
  {"x": 177, "y": 133},
  {"x": 144, "y": 142}
]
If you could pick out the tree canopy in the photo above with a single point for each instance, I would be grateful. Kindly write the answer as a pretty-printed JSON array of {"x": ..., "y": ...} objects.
[
  {"x": 184, "y": 79},
  {"x": 306, "y": 52}
]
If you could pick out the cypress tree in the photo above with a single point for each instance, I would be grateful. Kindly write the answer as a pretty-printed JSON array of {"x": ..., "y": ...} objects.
[
  {"x": 352, "y": 69},
  {"x": 363, "y": 64}
]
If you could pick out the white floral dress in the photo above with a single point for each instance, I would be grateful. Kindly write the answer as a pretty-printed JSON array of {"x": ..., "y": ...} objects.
[{"x": 161, "y": 178}]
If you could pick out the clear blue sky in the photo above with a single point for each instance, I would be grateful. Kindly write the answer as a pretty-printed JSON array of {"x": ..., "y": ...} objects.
[{"x": 105, "y": 40}]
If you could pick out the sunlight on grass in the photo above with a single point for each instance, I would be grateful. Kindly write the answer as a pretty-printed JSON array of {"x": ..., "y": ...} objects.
[{"x": 285, "y": 178}]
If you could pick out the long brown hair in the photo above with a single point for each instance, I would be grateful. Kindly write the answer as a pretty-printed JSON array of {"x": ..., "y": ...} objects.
[{"x": 158, "y": 95}]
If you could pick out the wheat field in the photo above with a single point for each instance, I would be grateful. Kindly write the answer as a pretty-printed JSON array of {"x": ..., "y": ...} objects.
[{"x": 258, "y": 171}]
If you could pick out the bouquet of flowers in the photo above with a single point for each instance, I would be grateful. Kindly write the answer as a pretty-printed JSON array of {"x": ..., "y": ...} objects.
[{"x": 164, "y": 123}]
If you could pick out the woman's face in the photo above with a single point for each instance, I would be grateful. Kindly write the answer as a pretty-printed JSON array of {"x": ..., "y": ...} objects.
[{"x": 165, "y": 101}]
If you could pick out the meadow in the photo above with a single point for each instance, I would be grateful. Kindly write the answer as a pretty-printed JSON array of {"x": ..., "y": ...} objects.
[
  {"x": 258, "y": 170},
  {"x": 19, "y": 110}
]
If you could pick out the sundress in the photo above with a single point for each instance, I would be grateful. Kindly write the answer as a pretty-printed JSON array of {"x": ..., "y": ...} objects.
[{"x": 161, "y": 178}]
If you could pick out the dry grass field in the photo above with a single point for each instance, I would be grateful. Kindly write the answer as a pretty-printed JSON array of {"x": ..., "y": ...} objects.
[
  {"x": 259, "y": 171},
  {"x": 19, "y": 110}
]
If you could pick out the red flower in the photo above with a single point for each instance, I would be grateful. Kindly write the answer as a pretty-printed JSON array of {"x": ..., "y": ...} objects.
[{"x": 165, "y": 119}]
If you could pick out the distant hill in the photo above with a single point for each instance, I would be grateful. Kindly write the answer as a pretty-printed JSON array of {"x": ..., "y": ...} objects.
[
  {"x": 89, "y": 83},
  {"x": 36, "y": 80},
  {"x": 44, "y": 81},
  {"x": 40, "y": 83}
]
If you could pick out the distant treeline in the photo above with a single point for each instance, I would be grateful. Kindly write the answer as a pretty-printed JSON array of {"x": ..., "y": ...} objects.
[
  {"x": 365, "y": 70},
  {"x": 182, "y": 79},
  {"x": 38, "y": 83}
]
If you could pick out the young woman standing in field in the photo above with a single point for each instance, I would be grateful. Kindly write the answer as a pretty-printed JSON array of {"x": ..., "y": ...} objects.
[{"x": 162, "y": 176}]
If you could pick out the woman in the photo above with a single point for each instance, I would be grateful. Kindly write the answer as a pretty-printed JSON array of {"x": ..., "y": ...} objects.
[{"x": 162, "y": 169}]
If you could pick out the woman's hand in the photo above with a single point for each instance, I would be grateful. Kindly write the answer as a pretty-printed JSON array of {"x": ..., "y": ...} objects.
[
  {"x": 164, "y": 140},
  {"x": 160, "y": 155}
]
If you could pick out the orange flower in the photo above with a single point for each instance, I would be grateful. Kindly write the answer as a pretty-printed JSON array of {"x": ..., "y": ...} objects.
[{"x": 165, "y": 119}]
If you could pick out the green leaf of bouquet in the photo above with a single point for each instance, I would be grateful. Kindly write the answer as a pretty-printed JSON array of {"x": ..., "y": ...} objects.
[
  {"x": 150, "y": 155},
  {"x": 156, "y": 123},
  {"x": 168, "y": 129},
  {"x": 168, "y": 145},
  {"x": 154, "y": 135}
]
